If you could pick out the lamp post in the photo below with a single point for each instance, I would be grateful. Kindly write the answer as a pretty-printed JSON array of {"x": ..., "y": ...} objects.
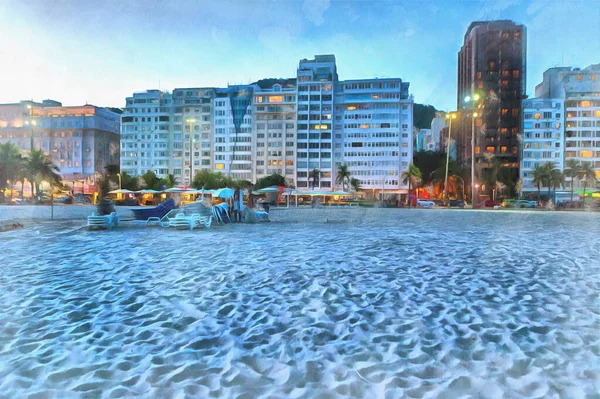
[
  {"x": 191, "y": 121},
  {"x": 450, "y": 116},
  {"x": 473, "y": 100},
  {"x": 119, "y": 175},
  {"x": 32, "y": 123}
]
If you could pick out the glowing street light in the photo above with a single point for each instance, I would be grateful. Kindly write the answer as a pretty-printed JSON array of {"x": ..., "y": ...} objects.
[{"x": 473, "y": 100}]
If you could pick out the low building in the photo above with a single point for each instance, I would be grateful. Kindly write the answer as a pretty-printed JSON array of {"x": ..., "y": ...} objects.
[{"x": 81, "y": 140}]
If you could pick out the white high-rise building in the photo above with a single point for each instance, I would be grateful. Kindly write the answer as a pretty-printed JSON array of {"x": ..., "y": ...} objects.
[
  {"x": 373, "y": 132},
  {"x": 146, "y": 134},
  {"x": 543, "y": 138},
  {"x": 274, "y": 111},
  {"x": 315, "y": 81},
  {"x": 192, "y": 108},
  {"x": 578, "y": 91},
  {"x": 233, "y": 134}
]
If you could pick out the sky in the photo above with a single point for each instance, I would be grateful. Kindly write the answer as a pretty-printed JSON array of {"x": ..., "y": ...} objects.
[{"x": 101, "y": 51}]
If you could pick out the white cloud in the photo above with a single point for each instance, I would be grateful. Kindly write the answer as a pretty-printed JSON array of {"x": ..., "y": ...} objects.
[
  {"x": 314, "y": 10},
  {"x": 495, "y": 9}
]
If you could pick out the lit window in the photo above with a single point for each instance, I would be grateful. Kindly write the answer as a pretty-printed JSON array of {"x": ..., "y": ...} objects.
[
  {"x": 585, "y": 104},
  {"x": 504, "y": 111},
  {"x": 516, "y": 73},
  {"x": 598, "y": 114},
  {"x": 557, "y": 125},
  {"x": 275, "y": 99},
  {"x": 259, "y": 99},
  {"x": 351, "y": 107},
  {"x": 585, "y": 154},
  {"x": 537, "y": 116},
  {"x": 375, "y": 96},
  {"x": 364, "y": 126},
  {"x": 579, "y": 77},
  {"x": 220, "y": 166}
]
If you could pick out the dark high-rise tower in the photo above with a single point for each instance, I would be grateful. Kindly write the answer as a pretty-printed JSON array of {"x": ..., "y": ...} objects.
[{"x": 491, "y": 66}]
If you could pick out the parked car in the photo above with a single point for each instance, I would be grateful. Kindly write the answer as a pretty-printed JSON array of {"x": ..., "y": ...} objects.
[
  {"x": 456, "y": 203},
  {"x": 525, "y": 204},
  {"x": 439, "y": 203},
  {"x": 425, "y": 203},
  {"x": 509, "y": 203},
  {"x": 65, "y": 199}
]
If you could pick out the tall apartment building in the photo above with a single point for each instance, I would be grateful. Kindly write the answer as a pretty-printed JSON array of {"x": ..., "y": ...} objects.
[
  {"x": 543, "y": 138},
  {"x": 233, "y": 139},
  {"x": 147, "y": 134},
  {"x": 81, "y": 140},
  {"x": 316, "y": 80},
  {"x": 577, "y": 94},
  {"x": 491, "y": 65},
  {"x": 274, "y": 111},
  {"x": 192, "y": 137},
  {"x": 373, "y": 132}
]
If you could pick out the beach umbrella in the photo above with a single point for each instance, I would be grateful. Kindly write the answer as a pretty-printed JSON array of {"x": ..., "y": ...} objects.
[
  {"x": 148, "y": 191},
  {"x": 223, "y": 193},
  {"x": 121, "y": 191},
  {"x": 176, "y": 190},
  {"x": 269, "y": 190}
]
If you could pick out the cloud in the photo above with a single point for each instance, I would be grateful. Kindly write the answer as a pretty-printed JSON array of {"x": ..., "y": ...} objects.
[
  {"x": 495, "y": 9},
  {"x": 314, "y": 10}
]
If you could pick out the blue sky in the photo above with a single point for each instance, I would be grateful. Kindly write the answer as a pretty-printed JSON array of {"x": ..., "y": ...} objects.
[{"x": 101, "y": 51}]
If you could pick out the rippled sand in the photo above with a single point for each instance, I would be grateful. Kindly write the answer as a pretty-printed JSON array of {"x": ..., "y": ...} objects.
[{"x": 387, "y": 304}]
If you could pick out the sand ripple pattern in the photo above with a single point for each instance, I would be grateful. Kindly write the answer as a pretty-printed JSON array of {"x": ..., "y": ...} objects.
[{"x": 416, "y": 304}]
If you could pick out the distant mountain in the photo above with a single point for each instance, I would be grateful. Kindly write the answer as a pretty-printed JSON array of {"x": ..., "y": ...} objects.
[
  {"x": 267, "y": 83},
  {"x": 423, "y": 115}
]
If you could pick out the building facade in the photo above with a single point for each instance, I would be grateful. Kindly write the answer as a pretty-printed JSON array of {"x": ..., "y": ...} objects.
[
  {"x": 147, "y": 134},
  {"x": 316, "y": 80},
  {"x": 577, "y": 93},
  {"x": 373, "y": 132},
  {"x": 192, "y": 138},
  {"x": 274, "y": 111},
  {"x": 81, "y": 140},
  {"x": 233, "y": 131},
  {"x": 491, "y": 67},
  {"x": 543, "y": 139}
]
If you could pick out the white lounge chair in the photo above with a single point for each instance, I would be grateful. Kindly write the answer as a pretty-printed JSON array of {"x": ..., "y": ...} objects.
[
  {"x": 191, "y": 222},
  {"x": 103, "y": 221}
]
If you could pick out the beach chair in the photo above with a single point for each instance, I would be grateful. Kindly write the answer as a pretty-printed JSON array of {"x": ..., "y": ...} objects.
[
  {"x": 103, "y": 221},
  {"x": 183, "y": 221}
]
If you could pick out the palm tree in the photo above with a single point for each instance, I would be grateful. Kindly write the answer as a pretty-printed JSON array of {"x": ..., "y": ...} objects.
[
  {"x": 10, "y": 161},
  {"x": 539, "y": 177},
  {"x": 572, "y": 170},
  {"x": 412, "y": 175},
  {"x": 39, "y": 168},
  {"x": 588, "y": 176},
  {"x": 554, "y": 177},
  {"x": 343, "y": 176},
  {"x": 171, "y": 180},
  {"x": 355, "y": 184},
  {"x": 315, "y": 174}
]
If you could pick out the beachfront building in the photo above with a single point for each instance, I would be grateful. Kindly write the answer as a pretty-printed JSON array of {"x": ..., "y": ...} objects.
[
  {"x": 491, "y": 77},
  {"x": 578, "y": 91},
  {"x": 373, "y": 132},
  {"x": 274, "y": 112},
  {"x": 192, "y": 138},
  {"x": 146, "y": 134},
  {"x": 316, "y": 80},
  {"x": 543, "y": 139},
  {"x": 81, "y": 140},
  {"x": 233, "y": 133}
]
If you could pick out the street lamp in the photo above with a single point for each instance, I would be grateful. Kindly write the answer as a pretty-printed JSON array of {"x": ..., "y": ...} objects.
[
  {"x": 119, "y": 175},
  {"x": 450, "y": 116},
  {"x": 190, "y": 121},
  {"x": 32, "y": 123},
  {"x": 473, "y": 100}
]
